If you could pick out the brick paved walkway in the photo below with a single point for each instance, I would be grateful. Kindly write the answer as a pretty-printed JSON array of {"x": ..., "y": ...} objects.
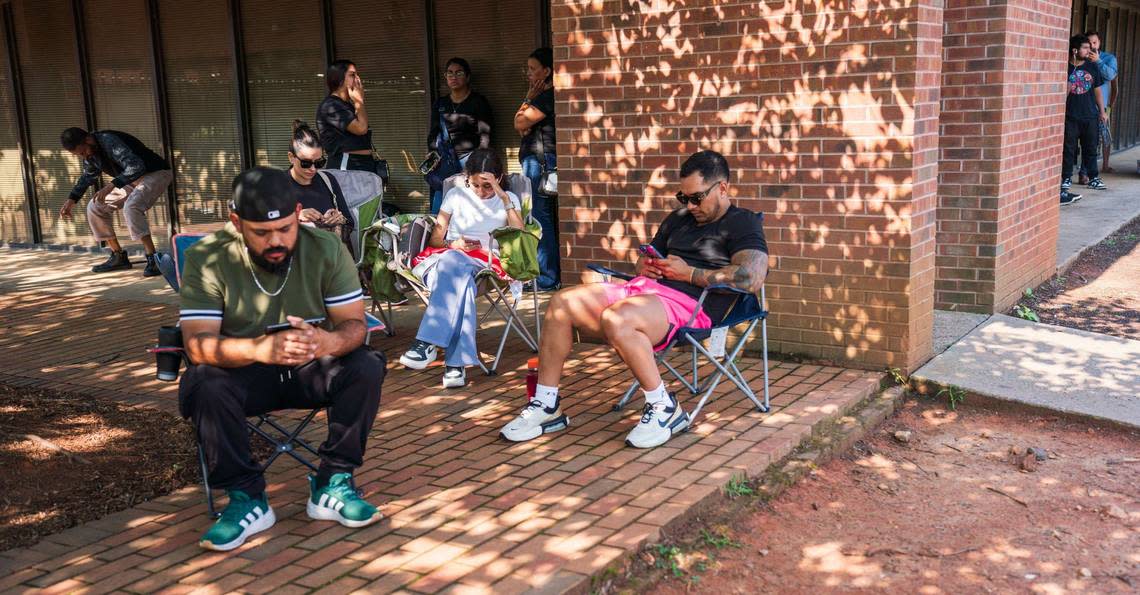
[{"x": 467, "y": 512}]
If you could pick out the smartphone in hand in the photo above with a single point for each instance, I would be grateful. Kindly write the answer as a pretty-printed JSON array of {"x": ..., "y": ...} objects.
[
  {"x": 282, "y": 326},
  {"x": 650, "y": 251}
]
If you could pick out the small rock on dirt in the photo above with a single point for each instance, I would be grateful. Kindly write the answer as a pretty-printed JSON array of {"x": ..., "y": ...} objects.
[
  {"x": 1028, "y": 462},
  {"x": 1085, "y": 573},
  {"x": 1038, "y": 452},
  {"x": 986, "y": 434},
  {"x": 647, "y": 558},
  {"x": 903, "y": 436},
  {"x": 763, "y": 552},
  {"x": 1115, "y": 512}
]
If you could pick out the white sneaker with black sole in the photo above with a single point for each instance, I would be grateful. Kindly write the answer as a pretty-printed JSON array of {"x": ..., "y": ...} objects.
[
  {"x": 455, "y": 377},
  {"x": 534, "y": 421},
  {"x": 419, "y": 355},
  {"x": 659, "y": 422}
]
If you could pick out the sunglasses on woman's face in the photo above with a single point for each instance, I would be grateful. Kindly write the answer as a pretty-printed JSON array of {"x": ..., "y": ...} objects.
[
  {"x": 695, "y": 199},
  {"x": 307, "y": 163}
]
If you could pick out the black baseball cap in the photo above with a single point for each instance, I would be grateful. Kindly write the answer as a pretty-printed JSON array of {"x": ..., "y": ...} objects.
[{"x": 263, "y": 194}]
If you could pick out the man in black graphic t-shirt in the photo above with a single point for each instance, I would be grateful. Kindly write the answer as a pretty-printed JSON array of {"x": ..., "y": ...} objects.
[
  {"x": 1084, "y": 110},
  {"x": 708, "y": 241}
]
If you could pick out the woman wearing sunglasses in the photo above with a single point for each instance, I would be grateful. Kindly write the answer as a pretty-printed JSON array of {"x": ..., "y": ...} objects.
[
  {"x": 460, "y": 247},
  {"x": 322, "y": 202}
]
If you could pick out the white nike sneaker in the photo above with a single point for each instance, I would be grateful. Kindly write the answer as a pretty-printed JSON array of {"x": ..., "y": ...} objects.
[
  {"x": 659, "y": 422},
  {"x": 419, "y": 355},
  {"x": 455, "y": 377},
  {"x": 534, "y": 421}
]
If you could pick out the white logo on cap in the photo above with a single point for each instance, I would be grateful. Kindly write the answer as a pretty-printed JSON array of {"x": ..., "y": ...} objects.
[{"x": 274, "y": 214}]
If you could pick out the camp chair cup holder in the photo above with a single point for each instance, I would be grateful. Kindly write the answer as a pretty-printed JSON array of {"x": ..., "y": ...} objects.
[{"x": 168, "y": 353}]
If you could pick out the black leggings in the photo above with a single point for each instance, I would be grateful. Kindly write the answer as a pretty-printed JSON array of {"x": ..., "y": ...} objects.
[{"x": 218, "y": 400}]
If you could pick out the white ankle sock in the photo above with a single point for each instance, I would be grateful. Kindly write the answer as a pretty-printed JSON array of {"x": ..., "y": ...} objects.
[
  {"x": 547, "y": 395},
  {"x": 657, "y": 395}
]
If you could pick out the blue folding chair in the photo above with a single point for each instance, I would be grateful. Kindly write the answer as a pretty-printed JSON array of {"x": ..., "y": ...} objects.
[
  {"x": 287, "y": 440},
  {"x": 748, "y": 308}
]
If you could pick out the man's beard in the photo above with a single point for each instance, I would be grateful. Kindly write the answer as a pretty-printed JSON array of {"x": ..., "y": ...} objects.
[{"x": 265, "y": 265}]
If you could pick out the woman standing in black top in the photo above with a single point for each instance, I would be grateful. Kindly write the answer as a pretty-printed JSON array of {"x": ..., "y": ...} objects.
[
  {"x": 467, "y": 115},
  {"x": 534, "y": 120},
  {"x": 342, "y": 122}
]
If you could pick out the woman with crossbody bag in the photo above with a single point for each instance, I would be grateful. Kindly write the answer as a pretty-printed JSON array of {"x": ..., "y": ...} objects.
[
  {"x": 534, "y": 120},
  {"x": 460, "y": 122},
  {"x": 322, "y": 203}
]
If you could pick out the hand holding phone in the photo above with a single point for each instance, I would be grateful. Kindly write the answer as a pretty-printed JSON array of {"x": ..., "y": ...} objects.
[
  {"x": 282, "y": 326},
  {"x": 650, "y": 251}
]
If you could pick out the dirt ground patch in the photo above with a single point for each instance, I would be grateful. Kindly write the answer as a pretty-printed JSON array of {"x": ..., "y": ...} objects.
[
  {"x": 1099, "y": 293},
  {"x": 113, "y": 457},
  {"x": 949, "y": 511}
]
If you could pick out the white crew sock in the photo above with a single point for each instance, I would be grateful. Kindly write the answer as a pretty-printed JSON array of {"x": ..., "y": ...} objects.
[
  {"x": 657, "y": 395},
  {"x": 547, "y": 395}
]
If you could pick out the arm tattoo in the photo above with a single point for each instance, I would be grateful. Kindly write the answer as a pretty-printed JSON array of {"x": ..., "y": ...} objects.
[{"x": 747, "y": 271}]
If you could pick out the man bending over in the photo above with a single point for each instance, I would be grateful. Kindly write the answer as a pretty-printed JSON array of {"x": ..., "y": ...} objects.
[
  {"x": 261, "y": 270},
  {"x": 705, "y": 242}
]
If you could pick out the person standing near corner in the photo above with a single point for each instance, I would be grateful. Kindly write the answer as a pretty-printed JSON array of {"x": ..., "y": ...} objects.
[
  {"x": 1084, "y": 110},
  {"x": 1108, "y": 67},
  {"x": 534, "y": 120},
  {"x": 342, "y": 121},
  {"x": 138, "y": 177},
  {"x": 467, "y": 115}
]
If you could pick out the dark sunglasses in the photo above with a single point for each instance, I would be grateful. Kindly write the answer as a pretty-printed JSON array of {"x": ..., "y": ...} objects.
[
  {"x": 695, "y": 199},
  {"x": 307, "y": 163}
]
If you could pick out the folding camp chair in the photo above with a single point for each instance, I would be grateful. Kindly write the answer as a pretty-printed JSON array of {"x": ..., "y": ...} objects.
[
  {"x": 405, "y": 236},
  {"x": 746, "y": 308},
  {"x": 364, "y": 194},
  {"x": 284, "y": 441}
]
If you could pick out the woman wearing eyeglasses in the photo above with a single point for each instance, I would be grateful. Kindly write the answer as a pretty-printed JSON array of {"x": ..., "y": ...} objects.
[
  {"x": 322, "y": 203},
  {"x": 467, "y": 115},
  {"x": 459, "y": 248}
]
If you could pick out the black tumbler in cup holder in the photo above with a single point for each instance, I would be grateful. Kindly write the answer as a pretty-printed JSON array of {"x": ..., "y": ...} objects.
[{"x": 168, "y": 354}]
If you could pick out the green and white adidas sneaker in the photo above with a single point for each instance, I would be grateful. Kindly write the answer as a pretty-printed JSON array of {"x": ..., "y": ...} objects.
[
  {"x": 339, "y": 501},
  {"x": 243, "y": 517}
]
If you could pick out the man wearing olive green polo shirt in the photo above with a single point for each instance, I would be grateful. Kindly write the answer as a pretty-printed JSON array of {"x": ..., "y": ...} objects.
[{"x": 265, "y": 269}]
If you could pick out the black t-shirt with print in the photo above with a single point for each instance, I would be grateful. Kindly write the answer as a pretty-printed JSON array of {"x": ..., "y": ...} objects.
[
  {"x": 333, "y": 117},
  {"x": 709, "y": 246},
  {"x": 1081, "y": 103},
  {"x": 530, "y": 143}
]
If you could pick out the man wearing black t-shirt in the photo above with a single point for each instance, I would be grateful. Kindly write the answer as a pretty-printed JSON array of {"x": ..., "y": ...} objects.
[
  {"x": 1084, "y": 110},
  {"x": 706, "y": 242}
]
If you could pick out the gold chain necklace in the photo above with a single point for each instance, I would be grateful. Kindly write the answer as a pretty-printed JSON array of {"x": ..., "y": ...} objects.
[{"x": 249, "y": 264}]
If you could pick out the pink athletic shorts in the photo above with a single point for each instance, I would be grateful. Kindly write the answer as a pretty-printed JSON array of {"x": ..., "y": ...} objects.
[{"x": 678, "y": 306}]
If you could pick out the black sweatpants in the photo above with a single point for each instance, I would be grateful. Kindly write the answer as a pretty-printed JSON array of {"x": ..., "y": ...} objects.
[
  {"x": 1087, "y": 133},
  {"x": 218, "y": 400}
]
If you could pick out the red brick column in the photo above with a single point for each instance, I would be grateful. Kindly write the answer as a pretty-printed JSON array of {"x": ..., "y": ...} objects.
[
  {"x": 1002, "y": 130},
  {"x": 827, "y": 113}
]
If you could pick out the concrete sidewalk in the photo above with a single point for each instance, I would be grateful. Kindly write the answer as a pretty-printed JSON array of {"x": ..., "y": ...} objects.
[
  {"x": 1100, "y": 212},
  {"x": 1046, "y": 366}
]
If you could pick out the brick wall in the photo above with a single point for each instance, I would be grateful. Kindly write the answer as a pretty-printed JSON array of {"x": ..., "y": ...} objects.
[
  {"x": 1001, "y": 125},
  {"x": 828, "y": 116}
]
